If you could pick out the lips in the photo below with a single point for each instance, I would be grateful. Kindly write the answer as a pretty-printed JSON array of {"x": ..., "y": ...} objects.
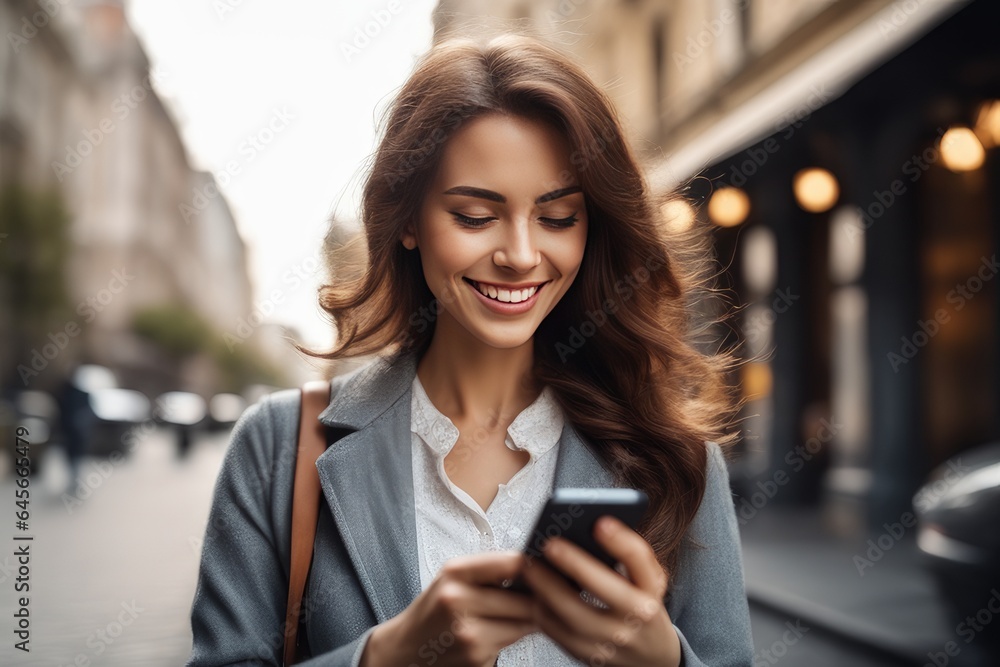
[{"x": 534, "y": 289}]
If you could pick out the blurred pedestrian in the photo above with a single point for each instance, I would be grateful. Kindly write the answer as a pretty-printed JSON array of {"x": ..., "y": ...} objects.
[{"x": 76, "y": 422}]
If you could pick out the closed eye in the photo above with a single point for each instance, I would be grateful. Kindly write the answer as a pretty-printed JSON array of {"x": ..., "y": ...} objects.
[
  {"x": 471, "y": 222},
  {"x": 560, "y": 222}
]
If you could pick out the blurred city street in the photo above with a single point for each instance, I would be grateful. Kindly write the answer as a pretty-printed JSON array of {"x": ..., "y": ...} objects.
[
  {"x": 112, "y": 578},
  {"x": 869, "y": 607}
]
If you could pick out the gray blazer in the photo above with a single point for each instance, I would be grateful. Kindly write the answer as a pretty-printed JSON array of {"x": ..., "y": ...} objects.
[{"x": 364, "y": 569}]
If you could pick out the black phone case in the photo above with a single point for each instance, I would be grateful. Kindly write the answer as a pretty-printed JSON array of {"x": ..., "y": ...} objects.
[{"x": 572, "y": 512}]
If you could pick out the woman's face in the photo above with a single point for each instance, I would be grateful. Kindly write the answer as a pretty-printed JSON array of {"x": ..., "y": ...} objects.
[{"x": 501, "y": 214}]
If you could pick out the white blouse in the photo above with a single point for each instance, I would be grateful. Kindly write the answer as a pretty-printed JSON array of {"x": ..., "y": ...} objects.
[{"x": 451, "y": 523}]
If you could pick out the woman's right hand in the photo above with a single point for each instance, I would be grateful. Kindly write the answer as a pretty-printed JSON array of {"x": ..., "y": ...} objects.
[{"x": 463, "y": 618}]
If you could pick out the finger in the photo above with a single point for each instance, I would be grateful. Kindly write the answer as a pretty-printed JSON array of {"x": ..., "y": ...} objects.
[
  {"x": 558, "y": 630},
  {"x": 634, "y": 552},
  {"x": 591, "y": 574},
  {"x": 490, "y": 635},
  {"x": 496, "y": 603},
  {"x": 506, "y": 632},
  {"x": 489, "y": 568},
  {"x": 484, "y": 635},
  {"x": 559, "y": 598}
]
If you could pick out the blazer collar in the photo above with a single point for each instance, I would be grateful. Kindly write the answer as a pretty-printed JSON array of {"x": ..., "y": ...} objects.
[
  {"x": 369, "y": 391},
  {"x": 367, "y": 478}
]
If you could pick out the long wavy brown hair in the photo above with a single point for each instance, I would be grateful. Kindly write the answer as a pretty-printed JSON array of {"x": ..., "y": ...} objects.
[{"x": 622, "y": 349}]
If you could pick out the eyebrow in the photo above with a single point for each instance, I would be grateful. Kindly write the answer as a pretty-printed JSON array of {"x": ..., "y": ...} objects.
[{"x": 482, "y": 193}]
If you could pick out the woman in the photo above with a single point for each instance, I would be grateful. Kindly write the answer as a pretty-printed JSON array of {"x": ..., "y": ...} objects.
[{"x": 537, "y": 320}]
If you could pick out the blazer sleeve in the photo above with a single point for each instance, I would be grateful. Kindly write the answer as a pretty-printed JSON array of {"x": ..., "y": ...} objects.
[
  {"x": 707, "y": 600},
  {"x": 238, "y": 612}
]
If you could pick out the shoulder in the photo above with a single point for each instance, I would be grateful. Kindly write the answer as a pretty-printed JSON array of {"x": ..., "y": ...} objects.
[
  {"x": 710, "y": 550},
  {"x": 716, "y": 467},
  {"x": 707, "y": 589},
  {"x": 266, "y": 434},
  {"x": 262, "y": 439},
  {"x": 275, "y": 416},
  {"x": 269, "y": 418},
  {"x": 717, "y": 501}
]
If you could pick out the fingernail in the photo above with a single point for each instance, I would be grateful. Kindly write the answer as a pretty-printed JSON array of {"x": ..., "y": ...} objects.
[{"x": 606, "y": 525}]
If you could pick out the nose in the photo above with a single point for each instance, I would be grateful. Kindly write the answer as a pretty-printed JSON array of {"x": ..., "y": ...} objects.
[{"x": 517, "y": 249}]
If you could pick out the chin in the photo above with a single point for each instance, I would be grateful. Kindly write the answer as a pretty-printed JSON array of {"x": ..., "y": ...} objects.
[{"x": 506, "y": 342}]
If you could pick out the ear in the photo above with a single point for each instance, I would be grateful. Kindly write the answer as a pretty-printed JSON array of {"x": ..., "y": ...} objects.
[{"x": 408, "y": 238}]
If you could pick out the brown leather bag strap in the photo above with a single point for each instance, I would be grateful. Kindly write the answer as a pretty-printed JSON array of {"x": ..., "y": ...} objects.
[{"x": 305, "y": 504}]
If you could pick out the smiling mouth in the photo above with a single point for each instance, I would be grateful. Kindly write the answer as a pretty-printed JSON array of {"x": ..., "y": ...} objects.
[{"x": 505, "y": 295}]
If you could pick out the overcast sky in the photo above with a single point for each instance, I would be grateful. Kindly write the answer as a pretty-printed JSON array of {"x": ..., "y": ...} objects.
[{"x": 298, "y": 75}]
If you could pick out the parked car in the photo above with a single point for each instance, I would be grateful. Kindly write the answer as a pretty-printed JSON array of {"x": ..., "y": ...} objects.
[
  {"x": 185, "y": 412},
  {"x": 224, "y": 410},
  {"x": 958, "y": 533},
  {"x": 118, "y": 413}
]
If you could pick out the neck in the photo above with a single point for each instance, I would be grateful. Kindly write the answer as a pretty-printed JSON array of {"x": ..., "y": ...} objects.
[{"x": 472, "y": 382}]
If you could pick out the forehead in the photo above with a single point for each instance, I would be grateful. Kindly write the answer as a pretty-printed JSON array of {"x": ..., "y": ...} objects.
[{"x": 503, "y": 151}]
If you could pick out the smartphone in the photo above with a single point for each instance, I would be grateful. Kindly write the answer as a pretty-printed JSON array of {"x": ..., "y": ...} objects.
[{"x": 571, "y": 513}]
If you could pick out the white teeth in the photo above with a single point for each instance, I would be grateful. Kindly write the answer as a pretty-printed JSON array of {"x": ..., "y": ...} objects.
[{"x": 507, "y": 296}]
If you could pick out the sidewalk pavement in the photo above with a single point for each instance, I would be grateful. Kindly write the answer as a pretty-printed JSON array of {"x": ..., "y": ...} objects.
[{"x": 882, "y": 598}]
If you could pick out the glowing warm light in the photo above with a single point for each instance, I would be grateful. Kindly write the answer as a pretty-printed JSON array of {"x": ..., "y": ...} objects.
[
  {"x": 816, "y": 190},
  {"x": 760, "y": 259},
  {"x": 988, "y": 124},
  {"x": 756, "y": 380},
  {"x": 728, "y": 207},
  {"x": 847, "y": 245},
  {"x": 961, "y": 150},
  {"x": 678, "y": 215}
]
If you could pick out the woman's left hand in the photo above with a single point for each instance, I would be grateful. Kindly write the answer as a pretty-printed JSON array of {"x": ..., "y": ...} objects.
[{"x": 635, "y": 629}]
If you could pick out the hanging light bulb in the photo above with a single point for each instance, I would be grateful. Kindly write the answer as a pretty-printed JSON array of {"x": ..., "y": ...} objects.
[
  {"x": 988, "y": 123},
  {"x": 816, "y": 190},
  {"x": 728, "y": 207},
  {"x": 961, "y": 150}
]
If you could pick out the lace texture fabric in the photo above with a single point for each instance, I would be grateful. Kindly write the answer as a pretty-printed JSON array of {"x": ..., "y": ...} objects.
[{"x": 451, "y": 523}]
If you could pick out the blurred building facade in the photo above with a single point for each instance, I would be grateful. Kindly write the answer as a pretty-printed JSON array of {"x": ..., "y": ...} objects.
[
  {"x": 79, "y": 113},
  {"x": 872, "y": 322}
]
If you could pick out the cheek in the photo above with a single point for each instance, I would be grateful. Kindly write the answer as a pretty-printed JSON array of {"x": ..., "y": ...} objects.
[
  {"x": 454, "y": 253},
  {"x": 567, "y": 252},
  {"x": 446, "y": 258}
]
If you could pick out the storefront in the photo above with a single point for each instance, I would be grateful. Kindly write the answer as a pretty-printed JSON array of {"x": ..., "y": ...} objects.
[{"x": 862, "y": 230}]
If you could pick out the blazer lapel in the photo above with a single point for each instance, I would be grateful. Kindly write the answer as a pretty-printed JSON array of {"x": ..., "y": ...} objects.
[
  {"x": 367, "y": 479},
  {"x": 577, "y": 466}
]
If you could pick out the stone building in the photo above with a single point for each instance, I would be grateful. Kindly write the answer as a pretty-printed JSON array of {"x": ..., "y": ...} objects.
[{"x": 80, "y": 113}]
